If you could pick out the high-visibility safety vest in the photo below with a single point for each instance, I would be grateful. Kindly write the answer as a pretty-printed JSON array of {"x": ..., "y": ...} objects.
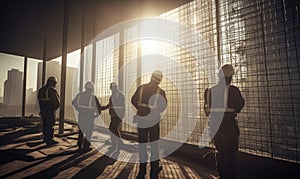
[
  {"x": 148, "y": 105},
  {"x": 46, "y": 98},
  {"x": 87, "y": 105},
  {"x": 90, "y": 104},
  {"x": 113, "y": 102},
  {"x": 225, "y": 109}
]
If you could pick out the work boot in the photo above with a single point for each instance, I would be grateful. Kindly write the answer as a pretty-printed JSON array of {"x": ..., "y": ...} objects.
[
  {"x": 86, "y": 149},
  {"x": 155, "y": 171},
  {"x": 141, "y": 175},
  {"x": 142, "y": 171},
  {"x": 53, "y": 142}
]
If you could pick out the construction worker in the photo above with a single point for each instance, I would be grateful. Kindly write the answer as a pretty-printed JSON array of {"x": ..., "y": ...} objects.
[
  {"x": 150, "y": 101},
  {"x": 49, "y": 103},
  {"x": 116, "y": 108},
  {"x": 88, "y": 107},
  {"x": 222, "y": 103}
]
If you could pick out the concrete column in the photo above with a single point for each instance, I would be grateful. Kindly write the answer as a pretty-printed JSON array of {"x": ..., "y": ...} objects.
[
  {"x": 63, "y": 69},
  {"x": 24, "y": 87}
]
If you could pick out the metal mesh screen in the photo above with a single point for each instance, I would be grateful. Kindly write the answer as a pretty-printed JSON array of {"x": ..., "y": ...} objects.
[
  {"x": 261, "y": 39},
  {"x": 106, "y": 67}
]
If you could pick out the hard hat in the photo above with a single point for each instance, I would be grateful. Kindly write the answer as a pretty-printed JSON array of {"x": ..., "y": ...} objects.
[
  {"x": 89, "y": 85},
  {"x": 113, "y": 84},
  {"x": 51, "y": 79},
  {"x": 157, "y": 76},
  {"x": 226, "y": 70}
]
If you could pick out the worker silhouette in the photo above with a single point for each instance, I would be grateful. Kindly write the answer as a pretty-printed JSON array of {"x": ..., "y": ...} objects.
[
  {"x": 222, "y": 103},
  {"x": 116, "y": 108},
  {"x": 49, "y": 103},
  {"x": 88, "y": 107},
  {"x": 150, "y": 101}
]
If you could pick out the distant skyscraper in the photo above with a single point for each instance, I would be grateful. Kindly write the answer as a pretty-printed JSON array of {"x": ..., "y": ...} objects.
[
  {"x": 13, "y": 88},
  {"x": 31, "y": 97},
  {"x": 52, "y": 69},
  {"x": 1, "y": 94}
]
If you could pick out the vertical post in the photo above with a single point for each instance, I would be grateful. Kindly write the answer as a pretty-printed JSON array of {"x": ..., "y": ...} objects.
[
  {"x": 121, "y": 51},
  {"x": 82, "y": 50},
  {"x": 121, "y": 61},
  {"x": 139, "y": 49},
  {"x": 63, "y": 69},
  {"x": 261, "y": 9},
  {"x": 94, "y": 62},
  {"x": 217, "y": 4},
  {"x": 139, "y": 59},
  {"x": 139, "y": 63},
  {"x": 94, "y": 46},
  {"x": 44, "y": 62},
  {"x": 24, "y": 87}
]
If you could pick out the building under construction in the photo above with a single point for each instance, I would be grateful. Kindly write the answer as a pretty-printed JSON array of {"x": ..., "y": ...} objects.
[{"x": 189, "y": 40}]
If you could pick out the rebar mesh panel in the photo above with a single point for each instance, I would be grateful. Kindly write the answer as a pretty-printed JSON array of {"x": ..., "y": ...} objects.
[
  {"x": 260, "y": 39},
  {"x": 107, "y": 59}
]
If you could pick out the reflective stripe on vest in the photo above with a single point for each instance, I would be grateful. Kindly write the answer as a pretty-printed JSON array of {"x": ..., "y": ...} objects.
[
  {"x": 117, "y": 107},
  {"x": 86, "y": 107},
  {"x": 147, "y": 105},
  {"x": 222, "y": 110}
]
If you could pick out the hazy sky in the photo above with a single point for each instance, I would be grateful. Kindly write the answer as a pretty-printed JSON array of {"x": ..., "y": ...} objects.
[{"x": 11, "y": 61}]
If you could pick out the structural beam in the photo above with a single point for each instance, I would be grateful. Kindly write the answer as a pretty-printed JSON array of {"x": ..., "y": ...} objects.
[
  {"x": 121, "y": 61},
  {"x": 44, "y": 62},
  {"x": 218, "y": 28},
  {"x": 82, "y": 50},
  {"x": 94, "y": 47},
  {"x": 24, "y": 87},
  {"x": 63, "y": 69}
]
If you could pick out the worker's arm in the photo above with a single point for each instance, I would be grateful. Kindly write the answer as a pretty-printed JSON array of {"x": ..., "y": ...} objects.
[
  {"x": 53, "y": 95},
  {"x": 74, "y": 102},
  {"x": 135, "y": 98},
  {"x": 206, "y": 102},
  {"x": 98, "y": 105},
  {"x": 163, "y": 101},
  {"x": 106, "y": 106},
  {"x": 239, "y": 100}
]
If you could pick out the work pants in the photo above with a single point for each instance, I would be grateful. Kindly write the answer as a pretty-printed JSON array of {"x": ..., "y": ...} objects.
[
  {"x": 48, "y": 118},
  {"x": 226, "y": 143},
  {"x": 85, "y": 133},
  {"x": 150, "y": 134},
  {"x": 115, "y": 133}
]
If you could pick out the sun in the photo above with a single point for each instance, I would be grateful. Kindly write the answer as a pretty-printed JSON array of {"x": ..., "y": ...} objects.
[{"x": 154, "y": 46}]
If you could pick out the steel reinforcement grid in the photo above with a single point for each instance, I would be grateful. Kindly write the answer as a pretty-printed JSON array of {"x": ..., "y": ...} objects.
[{"x": 260, "y": 38}]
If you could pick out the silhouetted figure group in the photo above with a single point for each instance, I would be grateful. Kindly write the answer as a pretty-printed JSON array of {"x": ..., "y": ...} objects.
[{"x": 222, "y": 102}]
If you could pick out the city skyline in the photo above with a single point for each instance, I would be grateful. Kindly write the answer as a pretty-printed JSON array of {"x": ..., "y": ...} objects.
[
  {"x": 9, "y": 62},
  {"x": 13, "y": 84}
]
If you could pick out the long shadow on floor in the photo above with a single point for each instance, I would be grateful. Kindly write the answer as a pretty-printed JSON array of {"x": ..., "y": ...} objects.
[
  {"x": 38, "y": 163},
  {"x": 10, "y": 137},
  {"x": 96, "y": 168},
  {"x": 20, "y": 154},
  {"x": 15, "y": 154},
  {"x": 61, "y": 166}
]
